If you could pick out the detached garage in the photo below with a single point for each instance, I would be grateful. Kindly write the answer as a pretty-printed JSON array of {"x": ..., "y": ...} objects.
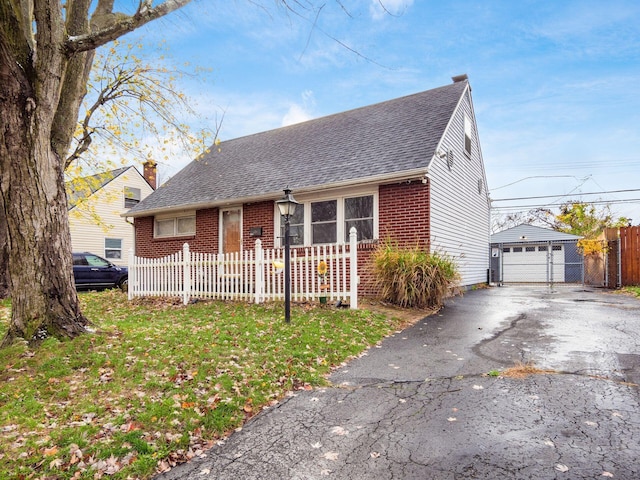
[{"x": 535, "y": 255}]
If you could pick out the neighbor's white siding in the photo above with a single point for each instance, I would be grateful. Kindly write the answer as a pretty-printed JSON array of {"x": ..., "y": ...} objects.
[
  {"x": 101, "y": 218},
  {"x": 459, "y": 201}
]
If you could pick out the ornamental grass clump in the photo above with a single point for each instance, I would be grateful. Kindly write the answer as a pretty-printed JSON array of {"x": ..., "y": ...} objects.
[{"x": 411, "y": 277}]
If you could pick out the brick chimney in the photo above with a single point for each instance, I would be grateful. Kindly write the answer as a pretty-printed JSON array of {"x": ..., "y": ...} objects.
[{"x": 149, "y": 174}]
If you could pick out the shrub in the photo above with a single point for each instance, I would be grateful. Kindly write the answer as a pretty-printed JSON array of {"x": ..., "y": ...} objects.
[{"x": 413, "y": 277}]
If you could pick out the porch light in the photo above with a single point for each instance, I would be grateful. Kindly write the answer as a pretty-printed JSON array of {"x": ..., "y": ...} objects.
[
  {"x": 287, "y": 204},
  {"x": 287, "y": 207}
]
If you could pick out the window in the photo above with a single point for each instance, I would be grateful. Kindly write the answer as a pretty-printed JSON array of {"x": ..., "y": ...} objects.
[
  {"x": 329, "y": 221},
  {"x": 506, "y": 250},
  {"x": 324, "y": 216},
  {"x": 556, "y": 247},
  {"x": 530, "y": 249},
  {"x": 358, "y": 212},
  {"x": 517, "y": 249},
  {"x": 467, "y": 135},
  {"x": 296, "y": 226},
  {"x": 176, "y": 226},
  {"x": 542, "y": 248},
  {"x": 131, "y": 197},
  {"x": 95, "y": 261},
  {"x": 113, "y": 248}
]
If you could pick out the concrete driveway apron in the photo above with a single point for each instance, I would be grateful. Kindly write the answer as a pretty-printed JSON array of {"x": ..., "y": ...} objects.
[{"x": 421, "y": 406}]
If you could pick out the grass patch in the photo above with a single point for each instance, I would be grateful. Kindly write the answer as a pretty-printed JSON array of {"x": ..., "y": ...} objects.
[
  {"x": 159, "y": 382},
  {"x": 634, "y": 290},
  {"x": 523, "y": 370}
]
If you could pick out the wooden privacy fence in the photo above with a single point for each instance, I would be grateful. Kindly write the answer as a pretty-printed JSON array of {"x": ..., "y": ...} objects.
[
  {"x": 251, "y": 275},
  {"x": 623, "y": 256}
]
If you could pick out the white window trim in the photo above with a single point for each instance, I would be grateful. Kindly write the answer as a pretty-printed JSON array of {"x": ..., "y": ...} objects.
[
  {"x": 305, "y": 202},
  {"x": 112, "y": 249},
  {"x": 175, "y": 218}
]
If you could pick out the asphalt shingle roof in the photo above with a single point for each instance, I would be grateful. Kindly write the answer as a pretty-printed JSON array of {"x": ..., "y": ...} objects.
[
  {"x": 84, "y": 187},
  {"x": 387, "y": 138},
  {"x": 531, "y": 233}
]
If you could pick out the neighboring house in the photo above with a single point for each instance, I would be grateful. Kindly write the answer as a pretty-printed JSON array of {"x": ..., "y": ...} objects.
[
  {"x": 408, "y": 170},
  {"x": 527, "y": 253},
  {"x": 96, "y": 205}
]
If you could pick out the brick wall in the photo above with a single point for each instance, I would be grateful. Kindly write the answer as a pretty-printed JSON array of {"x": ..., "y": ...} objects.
[
  {"x": 404, "y": 213},
  {"x": 404, "y": 218},
  {"x": 256, "y": 215},
  {"x": 205, "y": 240}
]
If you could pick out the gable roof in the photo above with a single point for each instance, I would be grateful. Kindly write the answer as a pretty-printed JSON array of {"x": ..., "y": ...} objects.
[
  {"x": 388, "y": 140},
  {"x": 82, "y": 188},
  {"x": 530, "y": 233}
]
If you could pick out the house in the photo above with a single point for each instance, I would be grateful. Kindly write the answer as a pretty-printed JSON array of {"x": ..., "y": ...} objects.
[
  {"x": 408, "y": 170},
  {"x": 96, "y": 204},
  {"x": 527, "y": 253}
]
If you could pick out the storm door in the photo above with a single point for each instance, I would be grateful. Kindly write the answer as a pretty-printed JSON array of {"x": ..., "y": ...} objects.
[{"x": 231, "y": 222}]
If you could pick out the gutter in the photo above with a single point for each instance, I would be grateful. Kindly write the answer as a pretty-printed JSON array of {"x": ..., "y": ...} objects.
[{"x": 418, "y": 174}]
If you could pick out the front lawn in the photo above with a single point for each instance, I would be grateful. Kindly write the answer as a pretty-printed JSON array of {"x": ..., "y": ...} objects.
[{"x": 158, "y": 382}]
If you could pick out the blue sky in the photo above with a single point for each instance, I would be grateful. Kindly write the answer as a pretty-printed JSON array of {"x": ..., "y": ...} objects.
[{"x": 555, "y": 83}]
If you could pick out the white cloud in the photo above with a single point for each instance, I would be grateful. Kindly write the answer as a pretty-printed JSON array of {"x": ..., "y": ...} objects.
[
  {"x": 300, "y": 113},
  {"x": 380, "y": 8}
]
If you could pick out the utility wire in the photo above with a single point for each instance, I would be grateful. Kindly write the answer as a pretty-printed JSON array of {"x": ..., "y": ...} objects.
[{"x": 565, "y": 194}]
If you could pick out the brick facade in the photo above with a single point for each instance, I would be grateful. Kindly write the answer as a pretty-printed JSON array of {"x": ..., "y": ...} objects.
[{"x": 403, "y": 218}]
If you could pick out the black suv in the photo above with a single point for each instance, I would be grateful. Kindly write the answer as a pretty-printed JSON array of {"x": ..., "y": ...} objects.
[{"x": 92, "y": 271}]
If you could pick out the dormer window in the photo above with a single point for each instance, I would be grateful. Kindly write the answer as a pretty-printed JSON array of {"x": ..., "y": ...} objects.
[{"x": 131, "y": 197}]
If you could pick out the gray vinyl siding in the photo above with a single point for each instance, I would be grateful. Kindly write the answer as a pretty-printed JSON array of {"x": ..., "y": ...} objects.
[{"x": 459, "y": 212}]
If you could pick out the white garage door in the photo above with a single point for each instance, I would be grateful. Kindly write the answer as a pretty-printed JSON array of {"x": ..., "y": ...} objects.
[{"x": 533, "y": 263}]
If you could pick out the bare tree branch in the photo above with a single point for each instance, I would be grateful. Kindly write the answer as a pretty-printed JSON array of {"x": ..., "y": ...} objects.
[{"x": 117, "y": 24}]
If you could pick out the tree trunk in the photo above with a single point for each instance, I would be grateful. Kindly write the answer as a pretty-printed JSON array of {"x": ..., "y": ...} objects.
[
  {"x": 33, "y": 202},
  {"x": 4, "y": 259}
]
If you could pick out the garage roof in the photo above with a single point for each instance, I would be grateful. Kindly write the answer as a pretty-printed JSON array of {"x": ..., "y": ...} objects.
[{"x": 530, "y": 233}]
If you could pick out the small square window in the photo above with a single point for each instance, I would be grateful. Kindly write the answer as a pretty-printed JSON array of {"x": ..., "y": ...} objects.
[
  {"x": 113, "y": 248},
  {"x": 131, "y": 197}
]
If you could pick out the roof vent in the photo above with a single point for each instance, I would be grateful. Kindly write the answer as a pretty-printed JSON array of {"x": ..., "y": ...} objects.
[{"x": 460, "y": 78}]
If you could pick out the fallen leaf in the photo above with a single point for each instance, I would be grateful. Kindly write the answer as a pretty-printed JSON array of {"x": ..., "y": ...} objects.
[
  {"x": 478, "y": 387},
  {"x": 607, "y": 474},
  {"x": 331, "y": 455},
  {"x": 375, "y": 454},
  {"x": 339, "y": 431},
  {"x": 316, "y": 445},
  {"x": 48, "y": 452},
  {"x": 562, "y": 468},
  {"x": 452, "y": 419}
]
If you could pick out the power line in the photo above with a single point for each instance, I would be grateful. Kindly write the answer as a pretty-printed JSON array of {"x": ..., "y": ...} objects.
[
  {"x": 566, "y": 194},
  {"x": 551, "y": 205}
]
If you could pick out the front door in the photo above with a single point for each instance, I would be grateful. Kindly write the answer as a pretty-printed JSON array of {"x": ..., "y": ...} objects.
[{"x": 231, "y": 230}]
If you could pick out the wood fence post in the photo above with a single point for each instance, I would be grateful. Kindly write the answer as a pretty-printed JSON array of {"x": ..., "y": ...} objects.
[
  {"x": 186, "y": 274},
  {"x": 132, "y": 274},
  {"x": 259, "y": 271},
  {"x": 353, "y": 268}
]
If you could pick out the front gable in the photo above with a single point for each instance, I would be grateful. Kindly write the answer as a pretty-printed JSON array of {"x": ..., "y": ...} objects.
[
  {"x": 95, "y": 217},
  {"x": 378, "y": 168}
]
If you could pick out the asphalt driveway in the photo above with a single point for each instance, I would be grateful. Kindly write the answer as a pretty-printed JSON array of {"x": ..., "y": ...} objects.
[{"x": 422, "y": 406}]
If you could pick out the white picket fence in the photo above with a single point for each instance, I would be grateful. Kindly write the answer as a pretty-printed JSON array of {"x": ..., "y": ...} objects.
[{"x": 250, "y": 275}]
